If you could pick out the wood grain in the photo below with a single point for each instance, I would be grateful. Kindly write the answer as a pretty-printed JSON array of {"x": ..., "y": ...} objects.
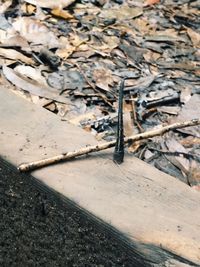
[{"x": 158, "y": 214}]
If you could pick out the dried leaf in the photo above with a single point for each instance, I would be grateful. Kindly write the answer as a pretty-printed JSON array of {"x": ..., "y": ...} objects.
[
  {"x": 32, "y": 86},
  {"x": 122, "y": 13},
  {"x": 64, "y": 14},
  {"x": 191, "y": 110},
  {"x": 182, "y": 163},
  {"x": 4, "y": 6},
  {"x": 151, "y": 2},
  {"x": 32, "y": 73},
  {"x": 50, "y": 3},
  {"x": 190, "y": 141},
  {"x": 194, "y": 174},
  {"x": 128, "y": 124},
  {"x": 142, "y": 83},
  {"x": 195, "y": 37},
  {"x": 186, "y": 94},
  {"x": 30, "y": 28},
  {"x": 103, "y": 78},
  {"x": 169, "y": 110},
  {"x": 15, "y": 55}
]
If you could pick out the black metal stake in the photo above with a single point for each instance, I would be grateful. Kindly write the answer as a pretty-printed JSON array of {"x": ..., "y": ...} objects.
[{"x": 118, "y": 156}]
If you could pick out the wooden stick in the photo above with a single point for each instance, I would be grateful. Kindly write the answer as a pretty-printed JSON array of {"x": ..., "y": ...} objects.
[{"x": 89, "y": 149}]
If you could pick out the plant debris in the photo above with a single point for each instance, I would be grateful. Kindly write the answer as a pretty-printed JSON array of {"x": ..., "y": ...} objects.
[{"x": 70, "y": 56}]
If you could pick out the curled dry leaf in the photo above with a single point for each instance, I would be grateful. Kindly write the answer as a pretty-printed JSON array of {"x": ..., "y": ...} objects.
[
  {"x": 15, "y": 55},
  {"x": 190, "y": 111},
  {"x": 103, "y": 78},
  {"x": 32, "y": 73},
  {"x": 194, "y": 174},
  {"x": 142, "y": 83},
  {"x": 194, "y": 36},
  {"x": 4, "y": 6},
  {"x": 64, "y": 14},
  {"x": 16, "y": 41},
  {"x": 35, "y": 32},
  {"x": 121, "y": 13},
  {"x": 51, "y": 3},
  {"x": 151, "y": 2},
  {"x": 182, "y": 163},
  {"x": 33, "y": 87}
]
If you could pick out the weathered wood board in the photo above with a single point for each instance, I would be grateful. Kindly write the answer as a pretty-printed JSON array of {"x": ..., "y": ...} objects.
[{"x": 155, "y": 211}]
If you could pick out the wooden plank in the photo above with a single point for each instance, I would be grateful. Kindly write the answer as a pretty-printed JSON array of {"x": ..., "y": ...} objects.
[{"x": 158, "y": 214}]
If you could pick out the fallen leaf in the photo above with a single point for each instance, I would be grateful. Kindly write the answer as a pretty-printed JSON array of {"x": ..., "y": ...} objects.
[
  {"x": 142, "y": 83},
  {"x": 128, "y": 123},
  {"x": 194, "y": 174},
  {"x": 15, "y": 55},
  {"x": 151, "y": 2},
  {"x": 50, "y": 3},
  {"x": 4, "y": 6},
  {"x": 16, "y": 41},
  {"x": 32, "y": 86},
  {"x": 189, "y": 141},
  {"x": 103, "y": 78},
  {"x": 194, "y": 36},
  {"x": 186, "y": 94},
  {"x": 131, "y": 51},
  {"x": 181, "y": 162},
  {"x": 64, "y": 14},
  {"x": 76, "y": 120},
  {"x": 191, "y": 110},
  {"x": 122, "y": 13},
  {"x": 30, "y": 28},
  {"x": 32, "y": 73},
  {"x": 173, "y": 110}
]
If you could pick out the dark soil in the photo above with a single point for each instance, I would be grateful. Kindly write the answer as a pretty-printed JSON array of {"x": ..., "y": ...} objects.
[{"x": 38, "y": 229}]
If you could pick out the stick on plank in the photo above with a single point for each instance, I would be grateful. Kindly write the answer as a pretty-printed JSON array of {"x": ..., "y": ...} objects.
[{"x": 86, "y": 150}]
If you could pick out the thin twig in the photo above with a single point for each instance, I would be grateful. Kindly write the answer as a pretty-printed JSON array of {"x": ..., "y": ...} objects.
[{"x": 89, "y": 149}]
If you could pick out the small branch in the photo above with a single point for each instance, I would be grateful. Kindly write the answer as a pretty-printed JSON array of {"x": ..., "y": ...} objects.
[{"x": 86, "y": 150}]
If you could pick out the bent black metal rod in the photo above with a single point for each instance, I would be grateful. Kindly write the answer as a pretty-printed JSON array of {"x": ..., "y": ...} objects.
[{"x": 118, "y": 156}]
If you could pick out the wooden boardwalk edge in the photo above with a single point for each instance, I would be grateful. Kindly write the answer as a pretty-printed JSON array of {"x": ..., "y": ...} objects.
[
  {"x": 138, "y": 204},
  {"x": 143, "y": 254}
]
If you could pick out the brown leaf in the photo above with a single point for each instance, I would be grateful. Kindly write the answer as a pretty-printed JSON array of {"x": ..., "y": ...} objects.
[
  {"x": 103, "y": 78},
  {"x": 64, "y": 14},
  {"x": 190, "y": 141},
  {"x": 191, "y": 110},
  {"x": 32, "y": 86},
  {"x": 15, "y": 55},
  {"x": 142, "y": 83},
  {"x": 194, "y": 36},
  {"x": 124, "y": 12},
  {"x": 151, "y": 2},
  {"x": 51, "y": 3},
  {"x": 30, "y": 28},
  {"x": 4, "y": 6},
  {"x": 182, "y": 163},
  {"x": 194, "y": 174}
]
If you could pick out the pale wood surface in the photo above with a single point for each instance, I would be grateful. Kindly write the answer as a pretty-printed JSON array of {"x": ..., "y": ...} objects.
[{"x": 146, "y": 205}]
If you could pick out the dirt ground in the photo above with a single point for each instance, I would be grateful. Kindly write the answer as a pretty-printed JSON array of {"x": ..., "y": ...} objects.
[{"x": 37, "y": 230}]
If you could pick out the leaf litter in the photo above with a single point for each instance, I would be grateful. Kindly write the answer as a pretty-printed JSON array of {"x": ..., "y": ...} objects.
[{"x": 70, "y": 56}]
